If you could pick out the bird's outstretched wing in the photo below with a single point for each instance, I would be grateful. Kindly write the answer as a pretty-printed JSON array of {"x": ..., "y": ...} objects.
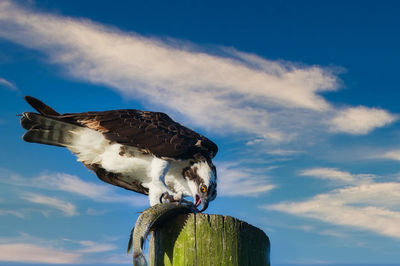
[{"x": 153, "y": 132}]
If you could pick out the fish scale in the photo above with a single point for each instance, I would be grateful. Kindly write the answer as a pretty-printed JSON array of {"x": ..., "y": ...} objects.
[{"x": 148, "y": 220}]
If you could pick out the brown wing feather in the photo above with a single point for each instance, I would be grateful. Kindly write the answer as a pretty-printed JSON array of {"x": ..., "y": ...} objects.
[
  {"x": 154, "y": 132},
  {"x": 40, "y": 106},
  {"x": 114, "y": 179}
]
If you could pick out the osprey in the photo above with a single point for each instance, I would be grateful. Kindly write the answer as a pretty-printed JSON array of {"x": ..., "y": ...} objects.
[{"x": 143, "y": 151}]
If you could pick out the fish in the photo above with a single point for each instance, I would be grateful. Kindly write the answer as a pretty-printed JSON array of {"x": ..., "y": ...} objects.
[{"x": 147, "y": 221}]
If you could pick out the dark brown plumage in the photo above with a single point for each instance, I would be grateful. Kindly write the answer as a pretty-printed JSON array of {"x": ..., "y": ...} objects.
[
  {"x": 154, "y": 132},
  {"x": 116, "y": 180},
  {"x": 39, "y": 106}
]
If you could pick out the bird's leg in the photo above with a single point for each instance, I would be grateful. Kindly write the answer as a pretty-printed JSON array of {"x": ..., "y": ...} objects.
[
  {"x": 167, "y": 197},
  {"x": 177, "y": 197},
  {"x": 158, "y": 191},
  {"x": 182, "y": 200}
]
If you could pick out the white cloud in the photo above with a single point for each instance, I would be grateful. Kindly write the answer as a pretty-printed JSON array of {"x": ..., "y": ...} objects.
[
  {"x": 273, "y": 224},
  {"x": 392, "y": 155},
  {"x": 28, "y": 249},
  {"x": 31, "y": 253},
  {"x": 281, "y": 152},
  {"x": 372, "y": 207},
  {"x": 12, "y": 212},
  {"x": 333, "y": 233},
  {"x": 334, "y": 174},
  {"x": 360, "y": 120},
  {"x": 153, "y": 64},
  {"x": 328, "y": 173},
  {"x": 68, "y": 208},
  {"x": 73, "y": 184},
  {"x": 234, "y": 180},
  {"x": 96, "y": 192},
  {"x": 95, "y": 247},
  {"x": 234, "y": 91},
  {"x": 7, "y": 84},
  {"x": 91, "y": 211}
]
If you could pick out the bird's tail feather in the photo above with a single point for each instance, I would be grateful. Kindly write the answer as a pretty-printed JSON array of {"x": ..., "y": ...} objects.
[
  {"x": 40, "y": 106},
  {"x": 46, "y": 130}
]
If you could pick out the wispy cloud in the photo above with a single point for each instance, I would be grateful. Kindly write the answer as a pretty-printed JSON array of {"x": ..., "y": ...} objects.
[
  {"x": 12, "y": 212},
  {"x": 333, "y": 174},
  {"x": 31, "y": 253},
  {"x": 333, "y": 233},
  {"x": 8, "y": 84},
  {"x": 72, "y": 184},
  {"x": 96, "y": 192},
  {"x": 233, "y": 180},
  {"x": 68, "y": 208},
  {"x": 91, "y": 211},
  {"x": 360, "y": 120},
  {"x": 88, "y": 246},
  {"x": 226, "y": 88},
  {"x": 370, "y": 206},
  {"x": 28, "y": 249},
  {"x": 240, "y": 181},
  {"x": 95, "y": 247},
  {"x": 391, "y": 155}
]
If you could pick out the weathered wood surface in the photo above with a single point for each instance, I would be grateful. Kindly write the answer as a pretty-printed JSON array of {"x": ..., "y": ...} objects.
[{"x": 205, "y": 239}]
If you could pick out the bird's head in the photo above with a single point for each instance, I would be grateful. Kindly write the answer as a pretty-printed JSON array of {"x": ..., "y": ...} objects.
[{"x": 202, "y": 181}]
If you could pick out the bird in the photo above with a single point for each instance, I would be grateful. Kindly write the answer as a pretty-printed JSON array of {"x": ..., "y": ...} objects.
[{"x": 142, "y": 151}]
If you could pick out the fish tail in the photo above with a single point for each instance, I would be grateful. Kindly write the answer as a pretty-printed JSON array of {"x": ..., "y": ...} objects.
[
  {"x": 130, "y": 241},
  {"x": 139, "y": 260}
]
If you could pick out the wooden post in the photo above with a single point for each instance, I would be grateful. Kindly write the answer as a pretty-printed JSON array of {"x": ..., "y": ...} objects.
[{"x": 206, "y": 239}]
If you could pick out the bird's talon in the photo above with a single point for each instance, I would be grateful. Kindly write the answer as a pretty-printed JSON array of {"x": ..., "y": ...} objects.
[
  {"x": 163, "y": 197},
  {"x": 166, "y": 197}
]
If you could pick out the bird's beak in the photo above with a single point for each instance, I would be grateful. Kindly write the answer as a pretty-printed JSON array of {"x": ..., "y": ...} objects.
[
  {"x": 202, "y": 201},
  {"x": 204, "y": 204}
]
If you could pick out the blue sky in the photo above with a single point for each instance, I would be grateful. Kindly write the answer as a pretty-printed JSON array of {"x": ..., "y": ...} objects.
[{"x": 301, "y": 98}]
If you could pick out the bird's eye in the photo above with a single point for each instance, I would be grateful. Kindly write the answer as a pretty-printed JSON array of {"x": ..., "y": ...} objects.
[{"x": 203, "y": 189}]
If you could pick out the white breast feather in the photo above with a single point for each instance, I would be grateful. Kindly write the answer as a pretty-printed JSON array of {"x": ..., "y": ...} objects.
[
  {"x": 92, "y": 147},
  {"x": 174, "y": 179}
]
